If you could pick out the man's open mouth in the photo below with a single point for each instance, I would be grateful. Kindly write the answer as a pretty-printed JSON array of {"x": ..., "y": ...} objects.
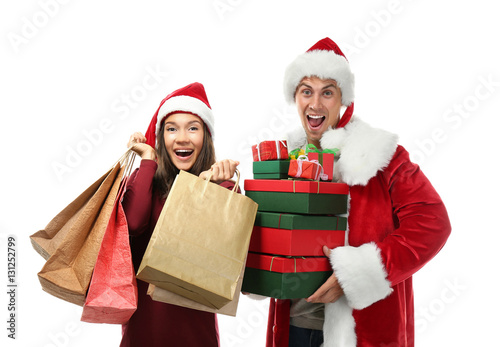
[{"x": 315, "y": 121}]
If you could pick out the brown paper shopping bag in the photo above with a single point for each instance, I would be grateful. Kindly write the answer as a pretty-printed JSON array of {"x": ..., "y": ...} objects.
[
  {"x": 200, "y": 242},
  {"x": 46, "y": 241},
  {"x": 163, "y": 295},
  {"x": 68, "y": 270}
]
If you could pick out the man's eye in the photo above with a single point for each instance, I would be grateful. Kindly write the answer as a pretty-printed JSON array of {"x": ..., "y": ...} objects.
[{"x": 306, "y": 92}]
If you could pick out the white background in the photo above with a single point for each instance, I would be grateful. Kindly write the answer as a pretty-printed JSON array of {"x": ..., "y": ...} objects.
[{"x": 426, "y": 70}]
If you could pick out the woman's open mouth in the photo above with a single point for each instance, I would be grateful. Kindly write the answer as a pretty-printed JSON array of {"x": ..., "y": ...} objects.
[
  {"x": 315, "y": 122},
  {"x": 183, "y": 154}
]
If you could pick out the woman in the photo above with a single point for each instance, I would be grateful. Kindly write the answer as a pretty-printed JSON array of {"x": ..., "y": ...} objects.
[{"x": 181, "y": 131}]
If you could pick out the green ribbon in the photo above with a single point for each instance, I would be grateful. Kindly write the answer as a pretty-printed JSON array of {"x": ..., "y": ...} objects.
[{"x": 312, "y": 148}]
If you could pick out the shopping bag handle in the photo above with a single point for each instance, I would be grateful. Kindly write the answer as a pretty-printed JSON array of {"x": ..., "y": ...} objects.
[{"x": 237, "y": 179}]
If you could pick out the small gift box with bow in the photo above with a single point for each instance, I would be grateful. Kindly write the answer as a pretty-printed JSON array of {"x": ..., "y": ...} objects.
[
  {"x": 325, "y": 157},
  {"x": 270, "y": 150},
  {"x": 302, "y": 167}
]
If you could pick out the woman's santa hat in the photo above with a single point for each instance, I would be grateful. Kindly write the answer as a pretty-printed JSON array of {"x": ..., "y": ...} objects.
[
  {"x": 189, "y": 99},
  {"x": 326, "y": 61}
]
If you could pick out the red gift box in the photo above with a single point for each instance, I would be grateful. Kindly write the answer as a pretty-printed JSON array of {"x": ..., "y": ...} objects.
[
  {"x": 281, "y": 264},
  {"x": 326, "y": 160},
  {"x": 294, "y": 242},
  {"x": 294, "y": 186},
  {"x": 270, "y": 150},
  {"x": 303, "y": 168}
]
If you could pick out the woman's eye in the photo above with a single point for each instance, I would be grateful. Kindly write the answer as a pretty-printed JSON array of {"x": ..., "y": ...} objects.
[
  {"x": 170, "y": 129},
  {"x": 193, "y": 128}
]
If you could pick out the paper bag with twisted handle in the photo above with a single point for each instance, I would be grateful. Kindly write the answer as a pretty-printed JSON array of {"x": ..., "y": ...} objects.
[
  {"x": 200, "y": 242},
  {"x": 72, "y": 257}
]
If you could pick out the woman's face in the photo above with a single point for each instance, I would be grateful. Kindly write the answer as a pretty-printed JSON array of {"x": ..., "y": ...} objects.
[{"x": 183, "y": 135}]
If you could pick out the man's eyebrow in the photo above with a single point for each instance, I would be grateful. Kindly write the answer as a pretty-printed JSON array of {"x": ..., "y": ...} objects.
[
  {"x": 330, "y": 85},
  {"x": 325, "y": 87}
]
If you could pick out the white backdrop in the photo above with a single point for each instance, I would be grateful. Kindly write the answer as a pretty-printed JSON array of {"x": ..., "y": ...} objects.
[{"x": 78, "y": 77}]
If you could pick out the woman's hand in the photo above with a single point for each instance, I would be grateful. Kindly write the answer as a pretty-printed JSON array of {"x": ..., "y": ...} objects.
[
  {"x": 331, "y": 290},
  {"x": 221, "y": 171},
  {"x": 138, "y": 144}
]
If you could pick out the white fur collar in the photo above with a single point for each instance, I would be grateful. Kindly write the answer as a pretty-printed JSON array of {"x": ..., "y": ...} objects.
[{"x": 364, "y": 150}]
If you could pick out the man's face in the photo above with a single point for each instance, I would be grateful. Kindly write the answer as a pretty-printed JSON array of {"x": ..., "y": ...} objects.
[{"x": 318, "y": 103}]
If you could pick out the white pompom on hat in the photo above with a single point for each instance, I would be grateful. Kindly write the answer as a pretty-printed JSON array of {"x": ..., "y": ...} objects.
[
  {"x": 189, "y": 99},
  {"x": 326, "y": 61}
]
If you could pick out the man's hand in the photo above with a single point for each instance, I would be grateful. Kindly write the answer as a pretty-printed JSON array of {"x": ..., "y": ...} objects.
[{"x": 330, "y": 291}]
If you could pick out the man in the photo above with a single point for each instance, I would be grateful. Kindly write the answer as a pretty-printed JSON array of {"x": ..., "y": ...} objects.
[{"x": 396, "y": 220}]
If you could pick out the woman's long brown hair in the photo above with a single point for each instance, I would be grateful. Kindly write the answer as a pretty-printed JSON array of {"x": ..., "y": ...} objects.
[{"x": 166, "y": 171}]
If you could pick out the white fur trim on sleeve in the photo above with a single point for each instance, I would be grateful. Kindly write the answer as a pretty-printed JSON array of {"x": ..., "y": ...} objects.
[
  {"x": 361, "y": 274},
  {"x": 338, "y": 328}
]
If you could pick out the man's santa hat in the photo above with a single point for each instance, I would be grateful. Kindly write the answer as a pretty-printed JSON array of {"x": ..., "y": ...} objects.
[
  {"x": 326, "y": 61},
  {"x": 189, "y": 99}
]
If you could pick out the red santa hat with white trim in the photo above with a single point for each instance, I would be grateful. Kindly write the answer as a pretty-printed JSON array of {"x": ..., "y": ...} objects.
[
  {"x": 189, "y": 99},
  {"x": 326, "y": 61}
]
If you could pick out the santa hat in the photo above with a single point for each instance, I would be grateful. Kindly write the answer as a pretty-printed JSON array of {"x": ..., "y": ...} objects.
[
  {"x": 189, "y": 99},
  {"x": 326, "y": 61}
]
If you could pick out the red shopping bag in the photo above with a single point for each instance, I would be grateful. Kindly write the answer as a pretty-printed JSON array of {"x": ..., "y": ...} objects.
[{"x": 112, "y": 296}]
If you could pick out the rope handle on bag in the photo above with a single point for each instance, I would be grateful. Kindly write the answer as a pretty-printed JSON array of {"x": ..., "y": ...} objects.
[
  {"x": 126, "y": 160},
  {"x": 237, "y": 179}
]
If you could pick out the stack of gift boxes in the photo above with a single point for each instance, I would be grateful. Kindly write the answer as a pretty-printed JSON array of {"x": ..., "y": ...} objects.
[{"x": 297, "y": 215}]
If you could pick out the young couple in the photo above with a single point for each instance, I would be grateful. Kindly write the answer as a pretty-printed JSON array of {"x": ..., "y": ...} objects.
[{"x": 396, "y": 220}]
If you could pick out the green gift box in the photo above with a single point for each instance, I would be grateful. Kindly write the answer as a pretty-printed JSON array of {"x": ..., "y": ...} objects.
[
  {"x": 284, "y": 277},
  {"x": 271, "y": 169},
  {"x": 299, "y": 202},
  {"x": 290, "y": 285},
  {"x": 297, "y": 196},
  {"x": 299, "y": 222}
]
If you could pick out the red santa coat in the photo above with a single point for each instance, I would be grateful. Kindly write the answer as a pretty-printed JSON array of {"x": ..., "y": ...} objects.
[{"x": 396, "y": 224}]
